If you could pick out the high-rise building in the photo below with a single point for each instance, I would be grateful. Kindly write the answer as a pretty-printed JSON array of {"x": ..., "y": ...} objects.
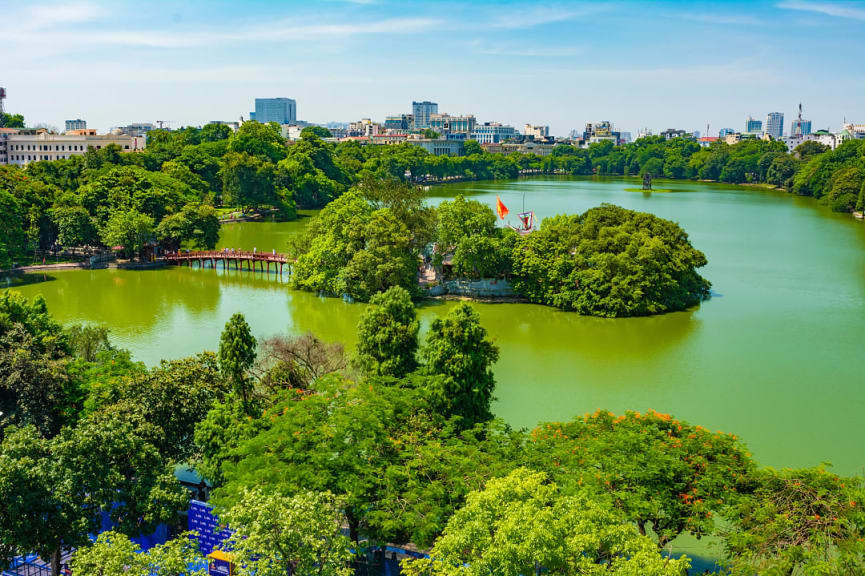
[
  {"x": 279, "y": 110},
  {"x": 421, "y": 112},
  {"x": 78, "y": 124},
  {"x": 753, "y": 126},
  {"x": 800, "y": 127},
  {"x": 775, "y": 124},
  {"x": 723, "y": 132}
]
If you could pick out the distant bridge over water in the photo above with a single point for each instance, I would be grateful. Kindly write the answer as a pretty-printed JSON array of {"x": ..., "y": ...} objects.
[{"x": 251, "y": 260}]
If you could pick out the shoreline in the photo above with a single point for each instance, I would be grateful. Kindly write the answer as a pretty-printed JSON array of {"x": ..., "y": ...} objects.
[{"x": 83, "y": 266}]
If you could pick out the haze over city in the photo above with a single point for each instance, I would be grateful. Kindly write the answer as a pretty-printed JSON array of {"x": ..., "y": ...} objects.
[{"x": 637, "y": 64}]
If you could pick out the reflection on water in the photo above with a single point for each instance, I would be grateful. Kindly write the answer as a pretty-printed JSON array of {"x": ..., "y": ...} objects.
[{"x": 774, "y": 360}]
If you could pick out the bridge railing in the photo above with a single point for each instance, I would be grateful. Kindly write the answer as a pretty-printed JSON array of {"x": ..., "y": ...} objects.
[{"x": 226, "y": 255}]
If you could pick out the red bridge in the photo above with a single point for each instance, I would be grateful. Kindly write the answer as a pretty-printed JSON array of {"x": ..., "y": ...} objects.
[{"x": 239, "y": 257}]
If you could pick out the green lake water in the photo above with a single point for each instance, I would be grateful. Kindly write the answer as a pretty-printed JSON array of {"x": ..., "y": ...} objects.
[{"x": 776, "y": 356}]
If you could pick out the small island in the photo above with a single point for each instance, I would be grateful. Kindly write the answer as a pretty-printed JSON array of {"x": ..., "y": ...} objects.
[{"x": 608, "y": 261}]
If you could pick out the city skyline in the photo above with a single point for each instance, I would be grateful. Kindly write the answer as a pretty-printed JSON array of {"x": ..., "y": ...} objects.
[{"x": 517, "y": 62}]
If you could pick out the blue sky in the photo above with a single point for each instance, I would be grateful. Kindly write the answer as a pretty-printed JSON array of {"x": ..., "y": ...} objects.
[{"x": 637, "y": 64}]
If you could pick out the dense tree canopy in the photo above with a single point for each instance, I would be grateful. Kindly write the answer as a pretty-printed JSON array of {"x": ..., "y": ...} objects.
[
  {"x": 388, "y": 334},
  {"x": 662, "y": 473},
  {"x": 408, "y": 459},
  {"x": 797, "y": 522},
  {"x": 237, "y": 354},
  {"x": 458, "y": 349},
  {"x": 277, "y": 535},
  {"x": 114, "y": 553},
  {"x": 256, "y": 168},
  {"x": 610, "y": 262},
  {"x": 521, "y": 524},
  {"x": 361, "y": 244}
]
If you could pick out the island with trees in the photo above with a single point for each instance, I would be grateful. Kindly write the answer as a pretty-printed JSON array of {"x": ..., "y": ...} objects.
[
  {"x": 606, "y": 262},
  {"x": 396, "y": 441}
]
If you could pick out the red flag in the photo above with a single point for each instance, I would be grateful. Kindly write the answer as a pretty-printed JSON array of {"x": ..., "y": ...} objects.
[{"x": 501, "y": 208}]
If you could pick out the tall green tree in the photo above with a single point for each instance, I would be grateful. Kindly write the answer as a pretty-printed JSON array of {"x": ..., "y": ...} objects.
[
  {"x": 663, "y": 474},
  {"x": 459, "y": 349},
  {"x": 35, "y": 385},
  {"x": 11, "y": 230},
  {"x": 74, "y": 226},
  {"x": 175, "y": 396},
  {"x": 521, "y": 525},
  {"x": 460, "y": 218},
  {"x": 436, "y": 467},
  {"x": 196, "y": 224},
  {"x": 129, "y": 229},
  {"x": 247, "y": 180},
  {"x": 55, "y": 491},
  {"x": 32, "y": 316},
  {"x": 388, "y": 334},
  {"x": 237, "y": 355},
  {"x": 260, "y": 140},
  {"x": 112, "y": 462},
  {"x": 276, "y": 535},
  {"x": 11, "y": 120},
  {"x": 338, "y": 440},
  {"x": 40, "y": 511}
]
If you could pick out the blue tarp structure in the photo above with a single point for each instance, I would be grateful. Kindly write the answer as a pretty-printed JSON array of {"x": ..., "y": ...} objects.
[
  {"x": 146, "y": 541},
  {"x": 203, "y": 521}
]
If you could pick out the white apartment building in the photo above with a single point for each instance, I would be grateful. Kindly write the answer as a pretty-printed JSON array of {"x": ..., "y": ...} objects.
[
  {"x": 25, "y": 147},
  {"x": 5, "y": 133},
  {"x": 539, "y": 132}
]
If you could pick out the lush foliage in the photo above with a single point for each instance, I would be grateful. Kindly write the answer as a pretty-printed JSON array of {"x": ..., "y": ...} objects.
[
  {"x": 458, "y": 350},
  {"x": 85, "y": 432},
  {"x": 387, "y": 334},
  {"x": 277, "y": 535},
  {"x": 467, "y": 233},
  {"x": 797, "y": 522},
  {"x": 610, "y": 262},
  {"x": 114, "y": 553},
  {"x": 237, "y": 354},
  {"x": 255, "y": 167},
  {"x": 408, "y": 459},
  {"x": 364, "y": 242},
  {"x": 662, "y": 473},
  {"x": 606, "y": 262},
  {"x": 520, "y": 524}
]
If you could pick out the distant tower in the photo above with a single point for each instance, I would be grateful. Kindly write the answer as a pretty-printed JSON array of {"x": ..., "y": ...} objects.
[
  {"x": 2, "y": 98},
  {"x": 800, "y": 127}
]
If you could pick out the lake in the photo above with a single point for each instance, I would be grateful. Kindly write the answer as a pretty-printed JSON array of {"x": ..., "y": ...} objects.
[{"x": 775, "y": 356}]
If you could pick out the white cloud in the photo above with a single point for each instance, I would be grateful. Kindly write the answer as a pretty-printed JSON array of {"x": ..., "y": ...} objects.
[
  {"x": 723, "y": 19},
  {"x": 530, "y": 51},
  {"x": 44, "y": 16},
  {"x": 852, "y": 10},
  {"x": 520, "y": 16},
  {"x": 57, "y": 38}
]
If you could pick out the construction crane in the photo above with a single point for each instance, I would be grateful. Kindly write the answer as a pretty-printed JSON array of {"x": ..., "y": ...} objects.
[{"x": 161, "y": 122}]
